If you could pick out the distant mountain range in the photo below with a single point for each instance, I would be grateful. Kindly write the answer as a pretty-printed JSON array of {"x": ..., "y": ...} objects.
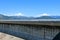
[
  {"x": 24, "y": 17},
  {"x": 14, "y": 17},
  {"x": 48, "y": 17}
]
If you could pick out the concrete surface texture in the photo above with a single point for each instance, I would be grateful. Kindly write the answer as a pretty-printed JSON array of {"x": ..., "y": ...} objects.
[{"x": 4, "y": 36}]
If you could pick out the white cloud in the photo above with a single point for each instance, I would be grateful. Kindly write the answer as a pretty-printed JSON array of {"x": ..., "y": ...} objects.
[
  {"x": 44, "y": 14},
  {"x": 14, "y": 14},
  {"x": 19, "y": 14}
]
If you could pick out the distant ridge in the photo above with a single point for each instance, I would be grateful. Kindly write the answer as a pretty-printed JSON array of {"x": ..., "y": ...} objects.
[
  {"x": 24, "y": 17},
  {"x": 45, "y": 17}
]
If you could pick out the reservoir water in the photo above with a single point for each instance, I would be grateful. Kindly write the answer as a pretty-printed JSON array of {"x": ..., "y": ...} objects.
[{"x": 31, "y": 20}]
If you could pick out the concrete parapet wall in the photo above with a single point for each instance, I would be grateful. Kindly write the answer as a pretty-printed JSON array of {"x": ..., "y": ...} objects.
[{"x": 30, "y": 32}]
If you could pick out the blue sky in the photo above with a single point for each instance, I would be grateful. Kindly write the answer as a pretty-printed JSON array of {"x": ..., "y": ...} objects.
[{"x": 30, "y": 7}]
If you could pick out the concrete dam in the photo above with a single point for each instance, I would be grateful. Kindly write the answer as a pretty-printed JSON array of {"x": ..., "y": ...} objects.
[{"x": 31, "y": 30}]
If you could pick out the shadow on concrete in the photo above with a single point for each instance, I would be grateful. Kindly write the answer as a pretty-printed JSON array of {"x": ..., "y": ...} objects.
[{"x": 57, "y": 37}]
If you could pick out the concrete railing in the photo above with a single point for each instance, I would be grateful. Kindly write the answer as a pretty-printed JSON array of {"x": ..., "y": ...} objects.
[{"x": 49, "y": 23}]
